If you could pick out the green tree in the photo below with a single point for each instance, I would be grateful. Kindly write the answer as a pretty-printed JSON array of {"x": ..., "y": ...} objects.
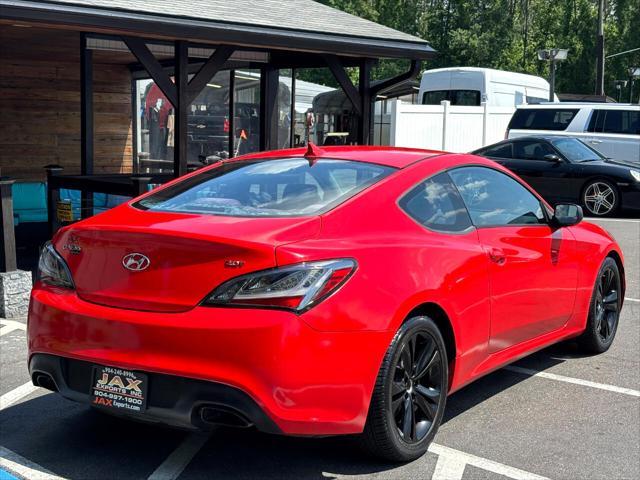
[{"x": 506, "y": 34}]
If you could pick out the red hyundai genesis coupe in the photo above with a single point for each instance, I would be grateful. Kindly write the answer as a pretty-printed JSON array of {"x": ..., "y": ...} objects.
[{"x": 345, "y": 290}]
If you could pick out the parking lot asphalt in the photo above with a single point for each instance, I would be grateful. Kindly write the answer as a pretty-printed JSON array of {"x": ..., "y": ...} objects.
[{"x": 556, "y": 415}]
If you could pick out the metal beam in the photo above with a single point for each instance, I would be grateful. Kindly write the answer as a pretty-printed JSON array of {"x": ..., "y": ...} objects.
[
  {"x": 140, "y": 50},
  {"x": 181, "y": 105},
  {"x": 232, "y": 113},
  {"x": 338, "y": 71},
  {"x": 366, "y": 102},
  {"x": 208, "y": 71},
  {"x": 269, "y": 80},
  {"x": 86, "y": 122}
]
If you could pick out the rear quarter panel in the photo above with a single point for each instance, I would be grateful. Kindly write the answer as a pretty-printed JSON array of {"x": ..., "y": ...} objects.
[{"x": 401, "y": 265}]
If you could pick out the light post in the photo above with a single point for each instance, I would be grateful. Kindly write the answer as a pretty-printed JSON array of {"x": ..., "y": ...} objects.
[
  {"x": 634, "y": 72},
  {"x": 552, "y": 56},
  {"x": 619, "y": 84}
]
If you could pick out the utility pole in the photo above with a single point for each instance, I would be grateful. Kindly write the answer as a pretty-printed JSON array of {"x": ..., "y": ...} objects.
[{"x": 600, "y": 50}]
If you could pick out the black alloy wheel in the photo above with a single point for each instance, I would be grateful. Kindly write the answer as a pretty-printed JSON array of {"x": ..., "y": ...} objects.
[
  {"x": 410, "y": 394},
  {"x": 416, "y": 387},
  {"x": 604, "y": 313},
  {"x": 607, "y": 304}
]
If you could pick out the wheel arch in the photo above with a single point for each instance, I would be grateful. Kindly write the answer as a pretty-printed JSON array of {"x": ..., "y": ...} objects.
[
  {"x": 442, "y": 321},
  {"x": 618, "y": 259}
]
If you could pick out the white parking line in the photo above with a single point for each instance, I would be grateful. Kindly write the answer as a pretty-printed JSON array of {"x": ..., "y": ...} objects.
[
  {"x": 576, "y": 381},
  {"x": 456, "y": 459},
  {"x": 449, "y": 468},
  {"x": 634, "y": 300},
  {"x": 7, "y": 326},
  {"x": 24, "y": 468},
  {"x": 16, "y": 395},
  {"x": 628, "y": 220},
  {"x": 175, "y": 463}
]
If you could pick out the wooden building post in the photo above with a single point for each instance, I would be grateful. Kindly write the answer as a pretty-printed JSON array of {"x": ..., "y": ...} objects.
[{"x": 8, "y": 246}]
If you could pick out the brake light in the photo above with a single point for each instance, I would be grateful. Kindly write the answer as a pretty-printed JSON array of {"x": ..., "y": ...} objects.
[{"x": 296, "y": 287}]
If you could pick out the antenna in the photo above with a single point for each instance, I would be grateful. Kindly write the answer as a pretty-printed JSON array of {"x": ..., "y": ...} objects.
[{"x": 312, "y": 153}]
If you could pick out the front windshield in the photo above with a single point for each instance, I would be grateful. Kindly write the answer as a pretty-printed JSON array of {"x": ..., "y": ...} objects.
[
  {"x": 575, "y": 151},
  {"x": 267, "y": 188}
]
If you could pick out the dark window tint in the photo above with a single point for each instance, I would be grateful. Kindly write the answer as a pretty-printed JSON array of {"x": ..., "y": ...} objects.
[
  {"x": 493, "y": 198},
  {"x": 575, "y": 150},
  {"x": 504, "y": 150},
  {"x": 456, "y": 97},
  {"x": 534, "y": 150},
  {"x": 615, "y": 121},
  {"x": 267, "y": 188},
  {"x": 542, "y": 118},
  {"x": 436, "y": 204}
]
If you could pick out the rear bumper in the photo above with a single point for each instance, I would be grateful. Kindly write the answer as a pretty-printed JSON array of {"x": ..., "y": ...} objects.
[
  {"x": 176, "y": 401},
  {"x": 269, "y": 365}
]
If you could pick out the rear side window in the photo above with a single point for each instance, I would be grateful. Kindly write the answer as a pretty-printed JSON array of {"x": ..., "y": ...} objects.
[
  {"x": 495, "y": 199},
  {"x": 542, "y": 118},
  {"x": 532, "y": 150},
  {"x": 436, "y": 204},
  {"x": 615, "y": 121},
  {"x": 499, "y": 151},
  {"x": 267, "y": 188},
  {"x": 456, "y": 97}
]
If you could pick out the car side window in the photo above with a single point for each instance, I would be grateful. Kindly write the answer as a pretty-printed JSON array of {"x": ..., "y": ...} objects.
[
  {"x": 532, "y": 150},
  {"x": 499, "y": 151},
  {"x": 437, "y": 205},
  {"x": 615, "y": 121},
  {"x": 493, "y": 198}
]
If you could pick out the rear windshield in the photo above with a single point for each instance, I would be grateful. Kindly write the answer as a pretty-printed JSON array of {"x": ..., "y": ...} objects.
[
  {"x": 267, "y": 188},
  {"x": 542, "y": 118}
]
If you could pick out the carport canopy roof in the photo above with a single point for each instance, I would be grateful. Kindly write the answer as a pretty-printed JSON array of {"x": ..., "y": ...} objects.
[{"x": 302, "y": 25}]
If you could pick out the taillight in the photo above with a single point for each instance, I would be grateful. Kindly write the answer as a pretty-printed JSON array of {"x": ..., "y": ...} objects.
[
  {"x": 295, "y": 287},
  {"x": 52, "y": 269}
]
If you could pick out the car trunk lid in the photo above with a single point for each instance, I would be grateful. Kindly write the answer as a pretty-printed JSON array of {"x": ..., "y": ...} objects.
[{"x": 168, "y": 262}]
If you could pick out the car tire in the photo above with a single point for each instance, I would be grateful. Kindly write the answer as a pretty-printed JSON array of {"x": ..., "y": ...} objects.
[
  {"x": 410, "y": 392},
  {"x": 600, "y": 198},
  {"x": 604, "y": 310}
]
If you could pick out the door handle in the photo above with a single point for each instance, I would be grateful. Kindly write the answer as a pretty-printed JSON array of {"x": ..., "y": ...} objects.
[
  {"x": 595, "y": 141},
  {"x": 497, "y": 255}
]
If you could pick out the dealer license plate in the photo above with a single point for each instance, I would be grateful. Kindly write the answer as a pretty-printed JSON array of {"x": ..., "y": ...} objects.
[{"x": 119, "y": 389}]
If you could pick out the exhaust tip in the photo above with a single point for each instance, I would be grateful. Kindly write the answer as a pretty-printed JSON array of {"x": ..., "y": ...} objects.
[
  {"x": 224, "y": 416},
  {"x": 45, "y": 381}
]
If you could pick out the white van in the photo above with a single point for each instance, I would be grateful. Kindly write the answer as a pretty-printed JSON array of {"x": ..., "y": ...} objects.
[
  {"x": 611, "y": 128},
  {"x": 472, "y": 86}
]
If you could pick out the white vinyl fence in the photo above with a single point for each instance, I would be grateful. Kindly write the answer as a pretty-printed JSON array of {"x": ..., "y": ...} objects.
[{"x": 446, "y": 127}]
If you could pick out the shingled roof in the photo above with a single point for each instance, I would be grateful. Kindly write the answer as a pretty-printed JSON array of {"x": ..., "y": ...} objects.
[{"x": 294, "y": 24}]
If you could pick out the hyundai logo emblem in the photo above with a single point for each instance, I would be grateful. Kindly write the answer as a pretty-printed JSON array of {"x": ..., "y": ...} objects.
[{"x": 136, "y": 262}]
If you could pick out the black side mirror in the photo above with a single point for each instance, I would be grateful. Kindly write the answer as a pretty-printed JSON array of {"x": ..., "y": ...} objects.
[
  {"x": 567, "y": 214},
  {"x": 552, "y": 157}
]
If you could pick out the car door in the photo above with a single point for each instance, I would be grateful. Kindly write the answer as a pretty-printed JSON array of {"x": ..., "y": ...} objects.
[
  {"x": 550, "y": 178},
  {"x": 615, "y": 133},
  {"x": 532, "y": 266}
]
